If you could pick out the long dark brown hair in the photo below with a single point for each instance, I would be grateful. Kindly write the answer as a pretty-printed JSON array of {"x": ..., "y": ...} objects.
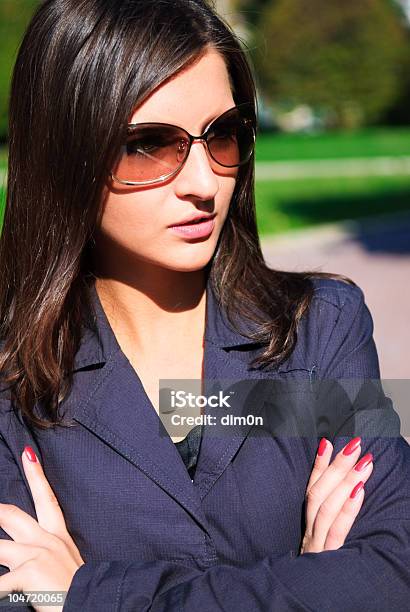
[{"x": 82, "y": 67}]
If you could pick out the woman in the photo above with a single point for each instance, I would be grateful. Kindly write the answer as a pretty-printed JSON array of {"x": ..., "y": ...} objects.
[{"x": 104, "y": 292}]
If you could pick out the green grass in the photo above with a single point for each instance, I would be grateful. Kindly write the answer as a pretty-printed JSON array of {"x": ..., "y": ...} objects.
[
  {"x": 333, "y": 145},
  {"x": 2, "y": 204},
  {"x": 3, "y": 158},
  {"x": 287, "y": 205}
]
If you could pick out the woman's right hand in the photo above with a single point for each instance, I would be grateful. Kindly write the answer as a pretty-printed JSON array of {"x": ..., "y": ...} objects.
[{"x": 330, "y": 509}]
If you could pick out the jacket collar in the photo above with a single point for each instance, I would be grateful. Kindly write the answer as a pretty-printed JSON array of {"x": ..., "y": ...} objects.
[{"x": 98, "y": 342}]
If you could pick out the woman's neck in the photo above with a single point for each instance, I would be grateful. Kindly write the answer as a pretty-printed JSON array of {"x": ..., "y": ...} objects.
[{"x": 156, "y": 308}]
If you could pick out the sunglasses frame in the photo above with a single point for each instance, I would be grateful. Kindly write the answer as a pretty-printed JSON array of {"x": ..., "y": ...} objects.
[{"x": 203, "y": 137}]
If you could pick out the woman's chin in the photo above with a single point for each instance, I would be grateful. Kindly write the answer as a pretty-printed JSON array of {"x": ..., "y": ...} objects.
[
  {"x": 185, "y": 264},
  {"x": 191, "y": 258}
]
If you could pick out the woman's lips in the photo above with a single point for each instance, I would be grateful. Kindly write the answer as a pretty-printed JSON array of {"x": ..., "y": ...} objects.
[{"x": 194, "y": 230}]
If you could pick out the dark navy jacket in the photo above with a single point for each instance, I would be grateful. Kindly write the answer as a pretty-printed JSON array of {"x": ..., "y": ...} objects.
[{"x": 154, "y": 540}]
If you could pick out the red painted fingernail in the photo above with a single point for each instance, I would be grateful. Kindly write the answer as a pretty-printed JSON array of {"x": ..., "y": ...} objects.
[
  {"x": 364, "y": 462},
  {"x": 322, "y": 447},
  {"x": 351, "y": 447},
  {"x": 356, "y": 489},
  {"x": 30, "y": 454}
]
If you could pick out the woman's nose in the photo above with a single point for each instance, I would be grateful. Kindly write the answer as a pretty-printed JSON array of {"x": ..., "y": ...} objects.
[{"x": 197, "y": 177}]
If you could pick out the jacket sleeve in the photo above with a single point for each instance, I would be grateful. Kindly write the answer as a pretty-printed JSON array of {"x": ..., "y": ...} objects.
[
  {"x": 14, "y": 490},
  {"x": 369, "y": 573}
]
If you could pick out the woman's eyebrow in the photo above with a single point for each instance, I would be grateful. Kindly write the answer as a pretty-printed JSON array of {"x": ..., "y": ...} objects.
[
  {"x": 205, "y": 124},
  {"x": 208, "y": 122}
]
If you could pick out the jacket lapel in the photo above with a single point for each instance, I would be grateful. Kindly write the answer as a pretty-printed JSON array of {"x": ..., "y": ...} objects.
[
  {"x": 113, "y": 406},
  {"x": 116, "y": 408},
  {"x": 236, "y": 378},
  {"x": 118, "y": 411}
]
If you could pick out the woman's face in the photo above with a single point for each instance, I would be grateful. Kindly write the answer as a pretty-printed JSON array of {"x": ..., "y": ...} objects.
[{"x": 135, "y": 221}]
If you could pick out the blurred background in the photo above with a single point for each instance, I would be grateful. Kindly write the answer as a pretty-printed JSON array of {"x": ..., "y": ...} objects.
[{"x": 333, "y": 154}]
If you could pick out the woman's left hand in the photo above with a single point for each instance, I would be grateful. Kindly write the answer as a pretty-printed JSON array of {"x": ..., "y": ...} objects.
[{"x": 43, "y": 556}]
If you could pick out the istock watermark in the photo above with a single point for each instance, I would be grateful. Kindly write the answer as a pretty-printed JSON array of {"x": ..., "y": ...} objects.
[
  {"x": 182, "y": 399},
  {"x": 285, "y": 407},
  {"x": 32, "y": 598},
  {"x": 208, "y": 419},
  {"x": 217, "y": 404}
]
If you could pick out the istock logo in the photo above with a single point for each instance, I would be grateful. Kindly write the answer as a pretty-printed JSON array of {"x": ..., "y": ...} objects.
[{"x": 181, "y": 399}]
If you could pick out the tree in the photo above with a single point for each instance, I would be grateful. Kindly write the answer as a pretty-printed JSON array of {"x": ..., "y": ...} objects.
[
  {"x": 251, "y": 9},
  {"x": 342, "y": 57}
]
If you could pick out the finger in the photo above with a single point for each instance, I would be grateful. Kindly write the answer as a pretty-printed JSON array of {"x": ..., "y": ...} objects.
[
  {"x": 48, "y": 511},
  {"x": 322, "y": 460},
  {"x": 341, "y": 527},
  {"x": 20, "y": 526},
  {"x": 330, "y": 478},
  {"x": 13, "y": 554},
  {"x": 323, "y": 455},
  {"x": 332, "y": 506}
]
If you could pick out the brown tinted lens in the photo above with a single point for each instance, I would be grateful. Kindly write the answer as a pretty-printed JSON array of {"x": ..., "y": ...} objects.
[
  {"x": 231, "y": 139},
  {"x": 151, "y": 152}
]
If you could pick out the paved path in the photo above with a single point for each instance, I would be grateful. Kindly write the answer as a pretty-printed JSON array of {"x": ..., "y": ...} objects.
[
  {"x": 318, "y": 168},
  {"x": 376, "y": 255}
]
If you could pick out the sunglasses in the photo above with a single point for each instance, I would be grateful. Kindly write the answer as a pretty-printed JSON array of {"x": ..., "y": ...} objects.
[{"x": 154, "y": 152}]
